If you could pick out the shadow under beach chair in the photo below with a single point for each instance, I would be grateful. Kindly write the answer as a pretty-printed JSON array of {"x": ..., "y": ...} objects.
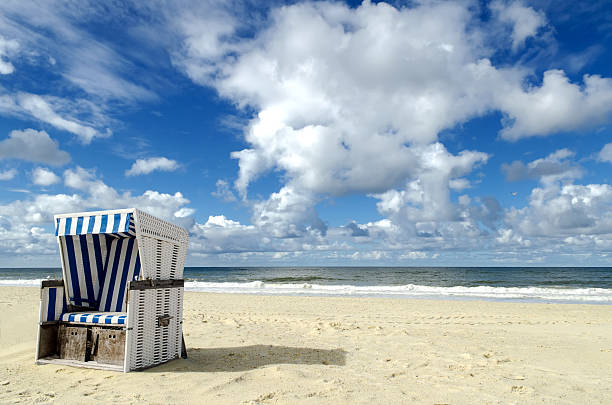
[{"x": 243, "y": 358}]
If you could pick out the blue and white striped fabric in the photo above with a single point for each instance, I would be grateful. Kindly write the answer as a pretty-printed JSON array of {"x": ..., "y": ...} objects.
[
  {"x": 100, "y": 255},
  {"x": 97, "y": 269},
  {"x": 85, "y": 259},
  {"x": 53, "y": 304},
  {"x": 123, "y": 266},
  {"x": 90, "y": 318},
  {"x": 121, "y": 225}
]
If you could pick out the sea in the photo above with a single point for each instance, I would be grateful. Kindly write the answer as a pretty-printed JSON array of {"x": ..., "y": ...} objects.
[{"x": 590, "y": 285}]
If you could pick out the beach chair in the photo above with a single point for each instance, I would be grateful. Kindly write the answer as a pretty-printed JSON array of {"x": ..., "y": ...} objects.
[{"x": 120, "y": 303}]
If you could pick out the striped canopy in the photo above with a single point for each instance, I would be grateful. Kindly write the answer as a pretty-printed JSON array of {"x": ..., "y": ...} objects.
[
  {"x": 99, "y": 256},
  {"x": 120, "y": 224}
]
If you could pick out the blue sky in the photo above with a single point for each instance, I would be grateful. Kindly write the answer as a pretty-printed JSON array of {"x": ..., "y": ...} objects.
[{"x": 314, "y": 133}]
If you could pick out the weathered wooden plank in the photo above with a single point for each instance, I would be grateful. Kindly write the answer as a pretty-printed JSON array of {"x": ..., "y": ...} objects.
[
  {"x": 48, "y": 340},
  {"x": 52, "y": 283},
  {"x": 72, "y": 342},
  {"x": 154, "y": 284},
  {"x": 108, "y": 346}
]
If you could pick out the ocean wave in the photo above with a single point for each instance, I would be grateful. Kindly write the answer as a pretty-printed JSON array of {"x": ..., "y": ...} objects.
[
  {"x": 542, "y": 294},
  {"x": 561, "y": 294},
  {"x": 22, "y": 282},
  {"x": 304, "y": 279}
]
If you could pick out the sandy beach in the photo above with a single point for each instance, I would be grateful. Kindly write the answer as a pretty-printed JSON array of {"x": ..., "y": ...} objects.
[{"x": 259, "y": 349}]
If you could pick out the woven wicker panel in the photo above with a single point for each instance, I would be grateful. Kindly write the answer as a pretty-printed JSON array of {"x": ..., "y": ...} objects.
[
  {"x": 162, "y": 260},
  {"x": 149, "y": 343},
  {"x": 163, "y": 247},
  {"x": 142, "y": 322},
  {"x": 148, "y": 225}
]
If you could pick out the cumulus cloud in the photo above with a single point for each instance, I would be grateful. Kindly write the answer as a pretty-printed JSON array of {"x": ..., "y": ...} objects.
[
  {"x": 555, "y": 166},
  {"x": 510, "y": 237},
  {"x": 25, "y": 225},
  {"x": 605, "y": 155},
  {"x": 289, "y": 213},
  {"x": 351, "y": 100},
  {"x": 555, "y": 106},
  {"x": 44, "y": 177},
  {"x": 146, "y": 166},
  {"x": 8, "y": 174},
  {"x": 33, "y": 146},
  {"x": 563, "y": 210},
  {"x": 99, "y": 194},
  {"x": 92, "y": 193},
  {"x": 357, "y": 230},
  {"x": 8, "y": 47},
  {"x": 558, "y": 209},
  {"x": 427, "y": 198},
  {"x": 346, "y": 100},
  {"x": 525, "y": 21}
]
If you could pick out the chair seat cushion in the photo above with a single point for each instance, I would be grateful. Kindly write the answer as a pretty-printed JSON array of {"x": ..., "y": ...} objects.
[{"x": 91, "y": 318}]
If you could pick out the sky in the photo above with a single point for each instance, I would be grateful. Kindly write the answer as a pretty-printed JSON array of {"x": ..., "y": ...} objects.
[{"x": 425, "y": 133}]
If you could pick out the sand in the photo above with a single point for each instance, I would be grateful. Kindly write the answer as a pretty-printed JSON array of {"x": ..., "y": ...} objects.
[{"x": 246, "y": 349}]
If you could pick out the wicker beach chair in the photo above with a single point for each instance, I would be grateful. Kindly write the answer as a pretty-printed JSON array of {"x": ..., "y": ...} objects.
[{"x": 120, "y": 303}]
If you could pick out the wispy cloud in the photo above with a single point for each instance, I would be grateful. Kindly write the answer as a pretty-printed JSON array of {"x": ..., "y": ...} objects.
[
  {"x": 53, "y": 30},
  {"x": 8, "y": 47},
  {"x": 44, "y": 109},
  {"x": 605, "y": 155}
]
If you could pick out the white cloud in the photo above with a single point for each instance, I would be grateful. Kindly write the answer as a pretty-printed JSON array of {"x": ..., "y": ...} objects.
[
  {"x": 357, "y": 230},
  {"x": 44, "y": 177},
  {"x": 556, "y": 210},
  {"x": 525, "y": 21},
  {"x": 99, "y": 194},
  {"x": 413, "y": 255},
  {"x": 288, "y": 213},
  {"x": 184, "y": 212},
  {"x": 555, "y": 166},
  {"x": 33, "y": 146},
  {"x": 510, "y": 237},
  {"x": 45, "y": 110},
  {"x": 21, "y": 220},
  {"x": 8, "y": 47},
  {"x": 605, "y": 155},
  {"x": 559, "y": 213},
  {"x": 8, "y": 174},
  {"x": 146, "y": 166},
  {"x": 346, "y": 101},
  {"x": 53, "y": 31},
  {"x": 351, "y": 100},
  {"x": 556, "y": 106},
  {"x": 428, "y": 197},
  {"x": 223, "y": 191}
]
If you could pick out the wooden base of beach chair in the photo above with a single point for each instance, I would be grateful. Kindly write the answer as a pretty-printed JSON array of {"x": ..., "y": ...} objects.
[
  {"x": 82, "y": 345},
  {"x": 83, "y": 364}
]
